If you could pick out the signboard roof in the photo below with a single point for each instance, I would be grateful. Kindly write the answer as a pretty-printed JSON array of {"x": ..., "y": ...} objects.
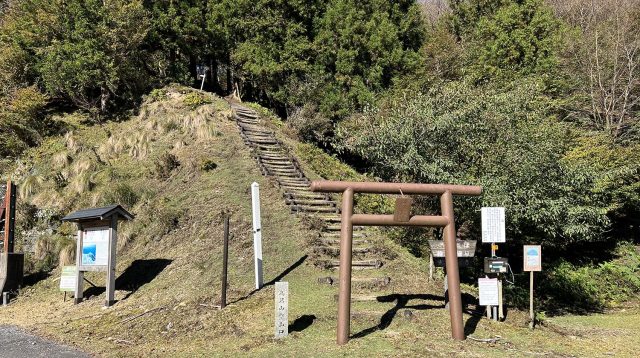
[{"x": 98, "y": 214}]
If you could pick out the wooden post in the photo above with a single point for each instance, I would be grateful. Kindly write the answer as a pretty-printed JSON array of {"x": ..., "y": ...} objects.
[
  {"x": 257, "y": 234},
  {"x": 225, "y": 259},
  {"x": 431, "y": 264},
  {"x": 531, "y": 313},
  {"x": 500, "y": 303},
  {"x": 344, "y": 293},
  {"x": 111, "y": 262},
  {"x": 79, "y": 291}
]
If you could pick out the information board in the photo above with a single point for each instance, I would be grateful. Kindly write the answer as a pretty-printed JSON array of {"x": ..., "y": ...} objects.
[
  {"x": 282, "y": 309},
  {"x": 95, "y": 247},
  {"x": 493, "y": 224},
  {"x": 488, "y": 291},
  {"x": 532, "y": 258},
  {"x": 68, "y": 279}
]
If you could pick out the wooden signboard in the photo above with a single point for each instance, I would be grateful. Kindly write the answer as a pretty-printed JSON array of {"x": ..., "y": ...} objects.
[{"x": 466, "y": 248}]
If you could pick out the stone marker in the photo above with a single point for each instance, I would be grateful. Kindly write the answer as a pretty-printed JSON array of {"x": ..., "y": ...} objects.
[{"x": 282, "y": 309}]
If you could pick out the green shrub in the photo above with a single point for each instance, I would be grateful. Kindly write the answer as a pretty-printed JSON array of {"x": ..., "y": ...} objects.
[
  {"x": 196, "y": 99},
  {"x": 165, "y": 165},
  {"x": 593, "y": 287},
  {"x": 123, "y": 194},
  {"x": 208, "y": 165}
]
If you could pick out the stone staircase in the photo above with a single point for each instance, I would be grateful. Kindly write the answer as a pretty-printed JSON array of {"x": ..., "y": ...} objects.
[{"x": 276, "y": 162}]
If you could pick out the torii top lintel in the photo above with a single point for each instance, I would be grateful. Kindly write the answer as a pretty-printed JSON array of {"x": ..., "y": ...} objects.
[{"x": 329, "y": 186}]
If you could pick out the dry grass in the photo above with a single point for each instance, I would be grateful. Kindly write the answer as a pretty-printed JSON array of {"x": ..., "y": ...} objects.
[
  {"x": 30, "y": 185},
  {"x": 61, "y": 160},
  {"x": 71, "y": 143}
]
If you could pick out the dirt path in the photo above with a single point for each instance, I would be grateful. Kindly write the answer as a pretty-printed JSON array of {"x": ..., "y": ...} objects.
[{"x": 16, "y": 343}]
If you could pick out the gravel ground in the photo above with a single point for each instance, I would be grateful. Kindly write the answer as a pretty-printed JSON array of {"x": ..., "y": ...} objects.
[{"x": 16, "y": 343}]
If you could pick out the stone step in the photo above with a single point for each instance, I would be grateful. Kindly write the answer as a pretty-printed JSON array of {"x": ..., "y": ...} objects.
[
  {"x": 294, "y": 186},
  {"x": 304, "y": 208},
  {"x": 337, "y": 228},
  {"x": 334, "y": 251},
  {"x": 303, "y": 196},
  {"x": 330, "y": 218},
  {"x": 335, "y": 242},
  {"x": 309, "y": 202},
  {"x": 360, "y": 234},
  {"x": 358, "y": 281},
  {"x": 288, "y": 174},
  {"x": 355, "y": 264},
  {"x": 277, "y": 163},
  {"x": 267, "y": 141}
]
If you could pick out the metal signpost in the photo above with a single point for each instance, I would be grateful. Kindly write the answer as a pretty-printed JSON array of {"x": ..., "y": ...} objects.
[
  {"x": 96, "y": 245},
  {"x": 349, "y": 219},
  {"x": 282, "y": 309},
  {"x": 532, "y": 262},
  {"x": 257, "y": 233}
]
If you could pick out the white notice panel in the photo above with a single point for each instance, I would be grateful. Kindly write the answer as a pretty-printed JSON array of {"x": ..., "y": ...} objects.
[
  {"x": 493, "y": 225},
  {"x": 95, "y": 247},
  {"x": 488, "y": 288}
]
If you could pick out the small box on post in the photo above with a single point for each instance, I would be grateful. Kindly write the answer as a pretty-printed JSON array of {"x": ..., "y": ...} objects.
[{"x": 96, "y": 245}]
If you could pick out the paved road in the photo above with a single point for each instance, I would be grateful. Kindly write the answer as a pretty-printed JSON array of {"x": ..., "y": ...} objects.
[{"x": 16, "y": 343}]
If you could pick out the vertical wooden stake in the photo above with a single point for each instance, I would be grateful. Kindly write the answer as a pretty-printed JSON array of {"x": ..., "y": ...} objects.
[
  {"x": 225, "y": 259},
  {"x": 531, "y": 314},
  {"x": 257, "y": 234},
  {"x": 500, "y": 302},
  {"x": 111, "y": 262},
  {"x": 79, "y": 291},
  {"x": 431, "y": 264}
]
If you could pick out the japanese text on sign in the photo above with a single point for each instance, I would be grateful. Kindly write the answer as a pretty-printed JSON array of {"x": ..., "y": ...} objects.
[
  {"x": 282, "y": 309},
  {"x": 493, "y": 227}
]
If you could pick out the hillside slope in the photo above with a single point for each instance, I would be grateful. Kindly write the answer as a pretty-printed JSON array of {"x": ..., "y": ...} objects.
[{"x": 178, "y": 165}]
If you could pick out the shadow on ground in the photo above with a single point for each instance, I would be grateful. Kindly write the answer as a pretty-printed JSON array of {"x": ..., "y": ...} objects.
[
  {"x": 138, "y": 274},
  {"x": 301, "y": 323},
  {"x": 402, "y": 302},
  {"x": 282, "y": 275}
]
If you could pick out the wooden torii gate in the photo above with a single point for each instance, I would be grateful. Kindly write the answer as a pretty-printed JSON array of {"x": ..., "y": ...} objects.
[
  {"x": 11, "y": 263},
  {"x": 349, "y": 219}
]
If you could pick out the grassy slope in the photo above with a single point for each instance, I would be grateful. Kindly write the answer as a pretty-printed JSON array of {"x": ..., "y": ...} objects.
[{"x": 179, "y": 219}]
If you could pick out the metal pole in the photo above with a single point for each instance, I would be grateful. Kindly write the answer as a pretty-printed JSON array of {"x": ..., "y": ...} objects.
[
  {"x": 344, "y": 295},
  {"x": 225, "y": 259},
  {"x": 451, "y": 261},
  {"x": 257, "y": 234},
  {"x": 531, "y": 315}
]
